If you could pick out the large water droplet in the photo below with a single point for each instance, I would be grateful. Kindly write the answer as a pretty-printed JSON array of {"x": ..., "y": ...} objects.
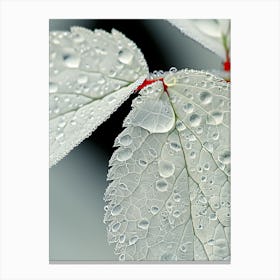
[
  {"x": 176, "y": 214},
  {"x": 125, "y": 56},
  {"x": 125, "y": 140},
  {"x": 224, "y": 157},
  {"x": 161, "y": 185},
  {"x": 195, "y": 120},
  {"x": 116, "y": 227},
  {"x": 133, "y": 240},
  {"x": 71, "y": 60},
  {"x": 215, "y": 117},
  {"x": 122, "y": 238},
  {"x": 177, "y": 197},
  {"x": 175, "y": 146},
  {"x": 116, "y": 210},
  {"x": 144, "y": 224},
  {"x": 154, "y": 210},
  {"x": 166, "y": 168},
  {"x": 188, "y": 108},
  {"x": 124, "y": 154},
  {"x": 205, "y": 97}
]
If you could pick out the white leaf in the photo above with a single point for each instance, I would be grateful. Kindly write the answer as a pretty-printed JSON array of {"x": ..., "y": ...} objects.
[
  {"x": 91, "y": 75},
  {"x": 169, "y": 196},
  {"x": 208, "y": 32}
]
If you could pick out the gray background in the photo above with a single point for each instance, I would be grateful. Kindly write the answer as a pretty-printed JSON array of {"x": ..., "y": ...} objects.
[{"x": 77, "y": 183}]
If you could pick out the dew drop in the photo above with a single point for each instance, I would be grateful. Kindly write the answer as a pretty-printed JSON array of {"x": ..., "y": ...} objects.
[
  {"x": 161, "y": 185},
  {"x": 188, "y": 108},
  {"x": 205, "y": 97},
  {"x": 125, "y": 56},
  {"x": 173, "y": 70},
  {"x": 224, "y": 157},
  {"x": 144, "y": 224},
  {"x": 53, "y": 87},
  {"x": 122, "y": 238},
  {"x": 125, "y": 140},
  {"x": 152, "y": 152},
  {"x": 177, "y": 197},
  {"x": 116, "y": 227},
  {"x": 206, "y": 166},
  {"x": 215, "y": 118},
  {"x": 72, "y": 122},
  {"x": 195, "y": 120},
  {"x": 122, "y": 257},
  {"x": 175, "y": 146},
  {"x": 133, "y": 240},
  {"x": 124, "y": 154},
  {"x": 192, "y": 155},
  {"x": 142, "y": 162},
  {"x": 123, "y": 186},
  {"x": 116, "y": 210},
  {"x": 188, "y": 146},
  {"x": 154, "y": 210},
  {"x": 212, "y": 216},
  {"x": 211, "y": 242},
  {"x": 71, "y": 60},
  {"x": 176, "y": 213},
  {"x": 166, "y": 168},
  {"x": 215, "y": 136},
  {"x": 180, "y": 125}
]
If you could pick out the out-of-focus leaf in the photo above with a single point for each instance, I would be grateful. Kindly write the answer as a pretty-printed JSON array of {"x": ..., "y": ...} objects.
[{"x": 91, "y": 75}]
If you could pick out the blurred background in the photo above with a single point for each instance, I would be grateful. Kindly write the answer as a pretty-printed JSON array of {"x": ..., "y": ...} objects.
[{"x": 78, "y": 182}]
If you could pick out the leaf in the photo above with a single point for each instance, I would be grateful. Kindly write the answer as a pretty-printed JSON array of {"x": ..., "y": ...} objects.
[
  {"x": 169, "y": 196},
  {"x": 211, "y": 33},
  {"x": 91, "y": 75}
]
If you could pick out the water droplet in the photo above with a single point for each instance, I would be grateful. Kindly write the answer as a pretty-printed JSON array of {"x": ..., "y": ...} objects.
[
  {"x": 166, "y": 168},
  {"x": 154, "y": 210},
  {"x": 173, "y": 70},
  {"x": 180, "y": 125},
  {"x": 168, "y": 257},
  {"x": 176, "y": 213},
  {"x": 205, "y": 97},
  {"x": 192, "y": 155},
  {"x": 195, "y": 120},
  {"x": 188, "y": 108},
  {"x": 116, "y": 227},
  {"x": 183, "y": 248},
  {"x": 203, "y": 179},
  {"x": 202, "y": 199},
  {"x": 72, "y": 122},
  {"x": 212, "y": 216},
  {"x": 211, "y": 242},
  {"x": 133, "y": 240},
  {"x": 215, "y": 136},
  {"x": 122, "y": 238},
  {"x": 206, "y": 166},
  {"x": 177, "y": 197},
  {"x": 224, "y": 157},
  {"x": 116, "y": 210},
  {"x": 123, "y": 186},
  {"x": 124, "y": 154},
  {"x": 71, "y": 60},
  {"x": 175, "y": 146},
  {"x": 125, "y": 56},
  {"x": 215, "y": 118},
  {"x": 200, "y": 226},
  {"x": 82, "y": 79},
  {"x": 152, "y": 152},
  {"x": 188, "y": 146},
  {"x": 142, "y": 162},
  {"x": 199, "y": 130},
  {"x": 53, "y": 87},
  {"x": 59, "y": 136},
  {"x": 161, "y": 185},
  {"x": 144, "y": 224},
  {"x": 125, "y": 140},
  {"x": 122, "y": 257}
]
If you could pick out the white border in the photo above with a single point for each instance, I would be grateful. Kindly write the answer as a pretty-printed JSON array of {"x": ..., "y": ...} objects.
[{"x": 24, "y": 138}]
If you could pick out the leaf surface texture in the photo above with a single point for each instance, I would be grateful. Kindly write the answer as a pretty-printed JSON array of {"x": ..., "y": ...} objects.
[{"x": 169, "y": 195}]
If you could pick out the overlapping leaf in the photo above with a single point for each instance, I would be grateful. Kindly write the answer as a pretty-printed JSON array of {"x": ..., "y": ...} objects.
[
  {"x": 91, "y": 75},
  {"x": 169, "y": 196},
  {"x": 211, "y": 33}
]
